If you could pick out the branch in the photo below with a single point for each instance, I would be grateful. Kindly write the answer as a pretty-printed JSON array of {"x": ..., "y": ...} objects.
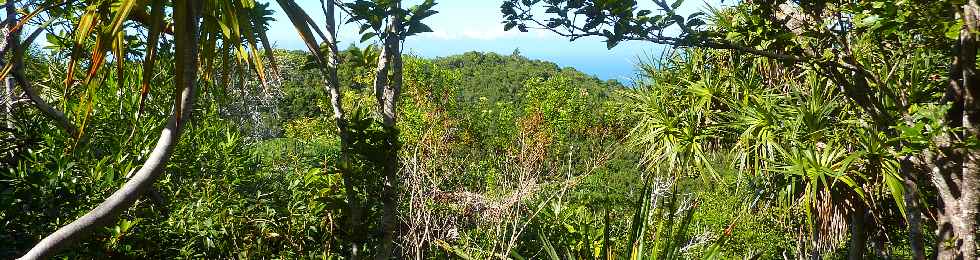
[
  {"x": 937, "y": 178},
  {"x": 140, "y": 16},
  {"x": 18, "y": 74},
  {"x": 19, "y": 102},
  {"x": 48, "y": 110},
  {"x": 860, "y": 92}
]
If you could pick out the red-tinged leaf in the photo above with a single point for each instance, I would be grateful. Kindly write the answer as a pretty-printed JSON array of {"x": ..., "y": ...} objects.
[
  {"x": 6, "y": 70},
  {"x": 86, "y": 23},
  {"x": 254, "y": 53},
  {"x": 119, "y": 51},
  {"x": 149, "y": 61},
  {"x": 208, "y": 55},
  {"x": 98, "y": 58},
  {"x": 230, "y": 18},
  {"x": 92, "y": 86},
  {"x": 241, "y": 54},
  {"x": 225, "y": 68},
  {"x": 259, "y": 66},
  {"x": 28, "y": 17},
  {"x": 70, "y": 74}
]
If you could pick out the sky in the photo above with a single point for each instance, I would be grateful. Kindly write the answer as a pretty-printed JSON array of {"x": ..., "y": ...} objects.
[{"x": 475, "y": 25}]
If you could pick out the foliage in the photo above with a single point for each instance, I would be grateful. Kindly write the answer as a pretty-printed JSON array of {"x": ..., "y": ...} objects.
[{"x": 754, "y": 139}]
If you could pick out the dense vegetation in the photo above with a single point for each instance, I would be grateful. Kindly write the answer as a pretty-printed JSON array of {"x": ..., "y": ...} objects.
[{"x": 771, "y": 130}]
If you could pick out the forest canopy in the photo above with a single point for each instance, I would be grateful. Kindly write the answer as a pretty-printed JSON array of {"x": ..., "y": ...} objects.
[{"x": 766, "y": 129}]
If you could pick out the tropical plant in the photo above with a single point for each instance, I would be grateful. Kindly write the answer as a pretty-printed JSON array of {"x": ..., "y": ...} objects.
[{"x": 823, "y": 38}]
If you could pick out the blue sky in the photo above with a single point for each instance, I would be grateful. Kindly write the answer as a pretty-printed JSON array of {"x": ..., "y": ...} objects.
[{"x": 475, "y": 25}]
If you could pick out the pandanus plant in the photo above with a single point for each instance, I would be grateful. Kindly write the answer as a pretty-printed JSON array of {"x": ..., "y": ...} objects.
[
  {"x": 794, "y": 133},
  {"x": 849, "y": 44}
]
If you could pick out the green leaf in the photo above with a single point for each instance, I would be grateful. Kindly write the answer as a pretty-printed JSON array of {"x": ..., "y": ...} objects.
[
  {"x": 509, "y": 25},
  {"x": 548, "y": 248},
  {"x": 367, "y": 36},
  {"x": 953, "y": 30}
]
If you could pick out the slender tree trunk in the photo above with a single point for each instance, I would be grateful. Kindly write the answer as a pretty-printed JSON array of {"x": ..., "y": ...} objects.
[
  {"x": 186, "y": 14},
  {"x": 914, "y": 214},
  {"x": 910, "y": 167},
  {"x": 392, "y": 90},
  {"x": 381, "y": 82},
  {"x": 965, "y": 225},
  {"x": 333, "y": 82},
  {"x": 339, "y": 116},
  {"x": 8, "y": 101},
  {"x": 859, "y": 233},
  {"x": 381, "y": 75},
  {"x": 389, "y": 114}
]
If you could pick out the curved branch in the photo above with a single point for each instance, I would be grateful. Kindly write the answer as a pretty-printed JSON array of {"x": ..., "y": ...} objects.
[
  {"x": 146, "y": 19},
  {"x": 15, "y": 46},
  {"x": 48, "y": 110},
  {"x": 186, "y": 14}
]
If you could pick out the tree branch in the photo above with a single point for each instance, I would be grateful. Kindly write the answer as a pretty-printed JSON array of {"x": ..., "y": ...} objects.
[
  {"x": 46, "y": 109},
  {"x": 14, "y": 45}
]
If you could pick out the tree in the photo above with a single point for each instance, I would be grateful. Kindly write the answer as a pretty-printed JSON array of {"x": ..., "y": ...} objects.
[
  {"x": 392, "y": 24},
  {"x": 328, "y": 66},
  {"x": 798, "y": 35}
]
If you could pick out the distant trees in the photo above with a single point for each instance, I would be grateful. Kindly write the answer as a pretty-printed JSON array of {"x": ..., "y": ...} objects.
[{"x": 504, "y": 75}]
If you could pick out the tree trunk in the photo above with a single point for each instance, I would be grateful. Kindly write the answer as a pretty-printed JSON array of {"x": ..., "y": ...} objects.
[
  {"x": 914, "y": 214},
  {"x": 186, "y": 14},
  {"x": 859, "y": 233},
  {"x": 389, "y": 114},
  {"x": 965, "y": 224},
  {"x": 958, "y": 183},
  {"x": 381, "y": 75},
  {"x": 340, "y": 117},
  {"x": 910, "y": 167},
  {"x": 8, "y": 101},
  {"x": 944, "y": 235}
]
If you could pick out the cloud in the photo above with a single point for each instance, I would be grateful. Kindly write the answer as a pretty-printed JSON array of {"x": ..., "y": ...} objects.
[
  {"x": 485, "y": 33},
  {"x": 489, "y": 33},
  {"x": 441, "y": 35}
]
